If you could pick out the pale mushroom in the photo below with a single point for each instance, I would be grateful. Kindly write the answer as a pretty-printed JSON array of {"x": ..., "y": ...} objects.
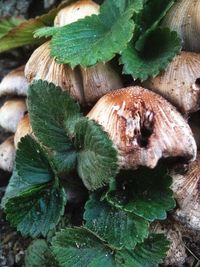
[
  {"x": 14, "y": 83},
  {"x": 180, "y": 82},
  {"x": 7, "y": 154},
  {"x": 86, "y": 85},
  {"x": 23, "y": 128},
  {"x": 11, "y": 113},
  {"x": 187, "y": 193},
  {"x": 144, "y": 127}
]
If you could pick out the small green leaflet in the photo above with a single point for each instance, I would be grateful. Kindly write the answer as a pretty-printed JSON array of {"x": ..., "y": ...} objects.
[
  {"x": 39, "y": 254},
  {"x": 6, "y": 24},
  {"x": 97, "y": 158},
  {"x": 37, "y": 210},
  {"x": 143, "y": 192},
  {"x": 159, "y": 48},
  {"x": 147, "y": 254},
  {"x": 96, "y": 38},
  {"x": 118, "y": 228},
  {"x": 74, "y": 247},
  {"x": 53, "y": 116},
  {"x": 34, "y": 201}
]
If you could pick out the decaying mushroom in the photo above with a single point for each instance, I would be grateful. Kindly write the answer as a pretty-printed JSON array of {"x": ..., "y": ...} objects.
[
  {"x": 186, "y": 188},
  {"x": 14, "y": 83},
  {"x": 86, "y": 85},
  {"x": 184, "y": 18},
  {"x": 23, "y": 128},
  {"x": 11, "y": 113},
  {"x": 144, "y": 127},
  {"x": 176, "y": 255},
  {"x": 194, "y": 122},
  {"x": 7, "y": 154},
  {"x": 180, "y": 82}
]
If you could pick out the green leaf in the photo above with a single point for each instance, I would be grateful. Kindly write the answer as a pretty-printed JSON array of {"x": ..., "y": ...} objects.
[
  {"x": 119, "y": 228},
  {"x": 150, "y": 17},
  {"x": 7, "y": 24},
  {"x": 53, "y": 115},
  {"x": 147, "y": 254},
  {"x": 39, "y": 254},
  {"x": 31, "y": 162},
  {"x": 80, "y": 247},
  {"x": 37, "y": 210},
  {"x": 144, "y": 192},
  {"x": 32, "y": 169},
  {"x": 97, "y": 157},
  {"x": 74, "y": 247},
  {"x": 96, "y": 38},
  {"x": 46, "y": 31},
  {"x": 159, "y": 48}
]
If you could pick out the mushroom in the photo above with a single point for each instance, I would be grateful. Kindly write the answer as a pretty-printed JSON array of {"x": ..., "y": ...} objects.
[
  {"x": 86, "y": 85},
  {"x": 186, "y": 188},
  {"x": 184, "y": 18},
  {"x": 11, "y": 113},
  {"x": 14, "y": 83},
  {"x": 144, "y": 127},
  {"x": 194, "y": 122},
  {"x": 76, "y": 11},
  {"x": 7, "y": 154},
  {"x": 180, "y": 82},
  {"x": 176, "y": 254},
  {"x": 23, "y": 128}
]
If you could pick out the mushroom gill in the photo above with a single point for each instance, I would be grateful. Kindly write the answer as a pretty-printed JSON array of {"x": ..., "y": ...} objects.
[
  {"x": 186, "y": 188},
  {"x": 180, "y": 82},
  {"x": 144, "y": 127}
]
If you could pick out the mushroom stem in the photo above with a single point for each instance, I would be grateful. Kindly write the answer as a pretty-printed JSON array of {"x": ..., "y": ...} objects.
[{"x": 7, "y": 154}]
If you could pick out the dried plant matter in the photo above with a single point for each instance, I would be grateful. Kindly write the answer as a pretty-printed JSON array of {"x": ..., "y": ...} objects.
[
  {"x": 11, "y": 113},
  {"x": 14, "y": 83},
  {"x": 184, "y": 18},
  {"x": 7, "y": 154},
  {"x": 187, "y": 192},
  {"x": 144, "y": 127},
  {"x": 180, "y": 82}
]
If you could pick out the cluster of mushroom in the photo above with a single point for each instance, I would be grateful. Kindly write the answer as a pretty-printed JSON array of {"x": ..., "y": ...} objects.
[{"x": 143, "y": 125}]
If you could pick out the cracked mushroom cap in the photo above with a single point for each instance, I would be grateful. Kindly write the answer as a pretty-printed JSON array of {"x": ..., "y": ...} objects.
[
  {"x": 14, "y": 83},
  {"x": 186, "y": 188},
  {"x": 180, "y": 82},
  {"x": 23, "y": 128},
  {"x": 11, "y": 113},
  {"x": 7, "y": 154},
  {"x": 144, "y": 127},
  {"x": 76, "y": 11}
]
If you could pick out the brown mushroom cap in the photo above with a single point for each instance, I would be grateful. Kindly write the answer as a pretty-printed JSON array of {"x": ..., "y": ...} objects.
[
  {"x": 14, "y": 83},
  {"x": 7, "y": 154},
  {"x": 23, "y": 128},
  {"x": 186, "y": 188},
  {"x": 76, "y": 11},
  {"x": 11, "y": 113},
  {"x": 84, "y": 85},
  {"x": 180, "y": 82},
  {"x": 176, "y": 254},
  {"x": 144, "y": 127}
]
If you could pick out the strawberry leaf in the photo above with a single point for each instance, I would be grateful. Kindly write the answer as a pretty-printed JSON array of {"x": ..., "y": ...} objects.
[{"x": 144, "y": 192}]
